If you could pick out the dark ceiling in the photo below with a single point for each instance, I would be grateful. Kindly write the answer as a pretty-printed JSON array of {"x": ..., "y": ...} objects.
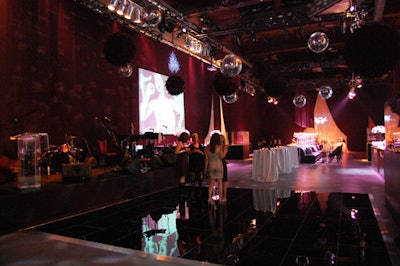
[{"x": 274, "y": 33}]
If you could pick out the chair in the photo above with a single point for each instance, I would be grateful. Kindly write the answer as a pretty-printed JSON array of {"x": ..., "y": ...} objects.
[{"x": 338, "y": 153}]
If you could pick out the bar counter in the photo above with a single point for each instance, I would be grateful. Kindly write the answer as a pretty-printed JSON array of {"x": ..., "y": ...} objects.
[{"x": 392, "y": 183}]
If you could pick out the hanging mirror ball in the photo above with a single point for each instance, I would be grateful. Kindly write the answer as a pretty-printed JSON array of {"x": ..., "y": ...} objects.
[
  {"x": 299, "y": 101},
  {"x": 231, "y": 65},
  {"x": 152, "y": 16},
  {"x": 126, "y": 71},
  {"x": 325, "y": 92},
  {"x": 318, "y": 42},
  {"x": 231, "y": 98}
]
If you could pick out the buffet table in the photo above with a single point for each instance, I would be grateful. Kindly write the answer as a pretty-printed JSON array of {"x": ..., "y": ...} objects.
[{"x": 268, "y": 164}]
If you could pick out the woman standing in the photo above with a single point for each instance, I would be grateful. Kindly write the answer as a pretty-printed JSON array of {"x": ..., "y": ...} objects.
[
  {"x": 182, "y": 160},
  {"x": 213, "y": 164},
  {"x": 196, "y": 161}
]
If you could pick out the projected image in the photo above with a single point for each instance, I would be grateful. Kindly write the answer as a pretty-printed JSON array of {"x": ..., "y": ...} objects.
[{"x": 158, "y": 110}]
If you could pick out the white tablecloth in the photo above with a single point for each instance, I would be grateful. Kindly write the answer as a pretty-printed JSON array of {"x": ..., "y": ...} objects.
[
  {"x": 268, "y": 164},
  {"x": 265, "y": 199}
]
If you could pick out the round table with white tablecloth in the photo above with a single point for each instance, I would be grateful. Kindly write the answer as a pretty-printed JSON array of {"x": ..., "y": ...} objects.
[
  {"x": 268, "y": 164},
  {"x": 265, "y": 168}
]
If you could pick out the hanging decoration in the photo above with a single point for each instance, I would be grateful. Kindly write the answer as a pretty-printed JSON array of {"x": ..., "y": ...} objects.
[
  {"x": 261, "y": 68},
  {"x": 152, "y": 16},
  {"x": 299, "y": 101},
  {"x": 318, "y": 42},
  {"x": 372, "y": 51},
  {"x": 231, "y": 98},
  {"x": 224, "y": 85},
  {"x": 325, "y": 92},
  {"x": 274, "y": 85},
  {"x": 173, "y": 63},
  {"x": 119, "y": 49},
  {"x": 231, "y": 65},
  {"x": 175, "y": 85},
  {"x": 126, "y": 71}
]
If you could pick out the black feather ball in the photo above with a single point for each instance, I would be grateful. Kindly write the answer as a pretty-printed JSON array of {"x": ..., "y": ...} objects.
[
  {"x": 175, "y": 85},
  {"x": 372, "y": 51},
  {"x": 224, "y": 85},
  {"x": 119, "y": 49}
]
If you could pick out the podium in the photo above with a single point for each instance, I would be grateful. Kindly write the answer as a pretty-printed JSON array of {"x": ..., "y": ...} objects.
[{"x": 29, "y": 152}]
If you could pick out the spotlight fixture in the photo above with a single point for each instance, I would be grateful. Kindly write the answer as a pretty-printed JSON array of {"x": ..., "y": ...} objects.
[
  {"x": 272, "y": 100},
  {"x": 211, "y": 67},
  {"x": 355, "y": 82},
  {"x": 355, "y": 17},
  {"x": 113, "y": 5},
  {"x": 352, "y": 93},
  {"x": 121, "y": 8},
  {"x": 128, "y": 11},
  {"x": 136, "y": 16}
]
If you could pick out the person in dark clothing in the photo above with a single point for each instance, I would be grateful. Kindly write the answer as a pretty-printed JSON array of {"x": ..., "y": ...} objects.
[
  {"x": 182, "y": 160},
  {"x": 196, "y": 161}
]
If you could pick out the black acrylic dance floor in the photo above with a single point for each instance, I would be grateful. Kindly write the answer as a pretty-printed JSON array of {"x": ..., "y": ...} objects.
[{"x": 255, "y": 227}]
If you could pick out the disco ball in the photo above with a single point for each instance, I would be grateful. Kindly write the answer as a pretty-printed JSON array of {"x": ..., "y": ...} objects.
[
  {"x": 152, "y": 16},
  {"x": 325, "y": 92},
  {"x": 231, "y": 65},
  {"x": 126, "y": 71},
  {"x": 318, "y": 42},
  {"x": 299, "y": 101},
  {"x": 231, "y": 98}
]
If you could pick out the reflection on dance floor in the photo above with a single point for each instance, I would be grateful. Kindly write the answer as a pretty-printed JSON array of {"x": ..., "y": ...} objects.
[{"x": 254, "y": 227}]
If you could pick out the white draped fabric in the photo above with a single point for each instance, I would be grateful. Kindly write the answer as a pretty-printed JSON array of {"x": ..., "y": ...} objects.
[
  {"x": 268, "y": 164},
  {"x": 211, "y": 127},
  {"x": 325, "y": 126}
]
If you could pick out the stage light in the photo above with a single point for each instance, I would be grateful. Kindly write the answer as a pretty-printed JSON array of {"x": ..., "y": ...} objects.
[
  {"x": 112, "y": 5},
  {"x": 128, "y": 11},
  {"x": 352, "y": 93},
  {"x": 121, "y": 8},
  {"x": 211, "y": 67},
  {"x": 136, "y": 16}
]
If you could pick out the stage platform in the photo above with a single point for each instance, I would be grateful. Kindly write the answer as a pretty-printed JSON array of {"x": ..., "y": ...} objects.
[{"x": 21, "y": 208}]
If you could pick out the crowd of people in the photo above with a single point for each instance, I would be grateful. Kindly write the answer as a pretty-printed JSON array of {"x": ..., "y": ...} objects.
[{"x": 195, "y": 162}]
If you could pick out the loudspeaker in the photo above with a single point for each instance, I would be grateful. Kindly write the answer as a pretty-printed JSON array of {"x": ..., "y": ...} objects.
[{"x": 76, "y": 172}]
